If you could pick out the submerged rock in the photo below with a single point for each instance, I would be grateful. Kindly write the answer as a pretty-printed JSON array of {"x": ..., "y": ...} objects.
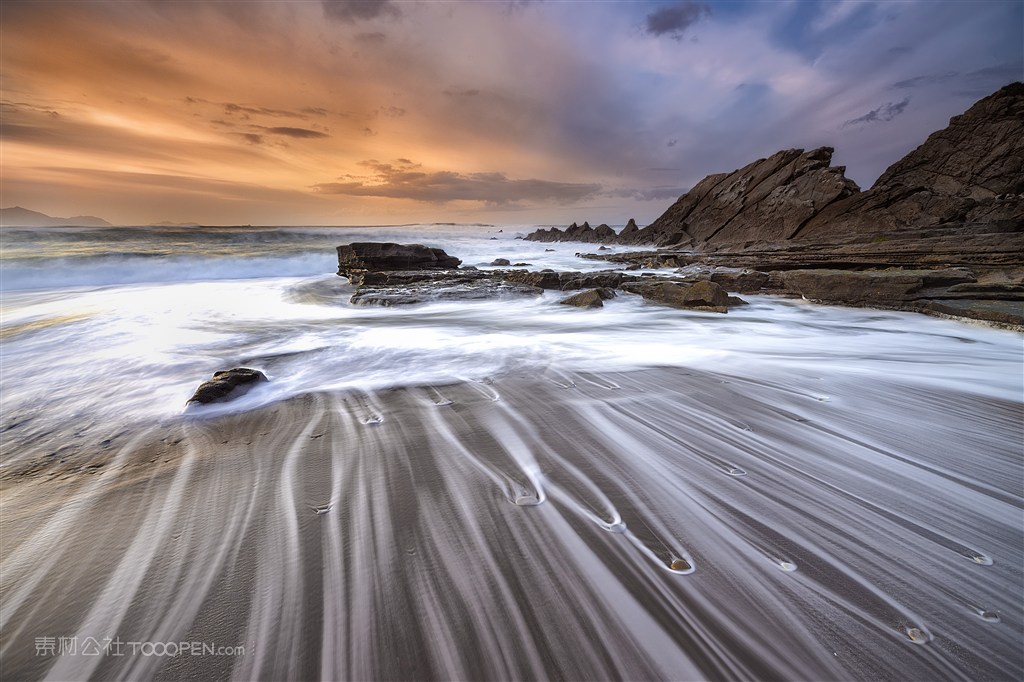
[
  {"x": 591, "y": 298},
  {"x": 441, "y": 290},
  {"x": 568, "y": 281},
  {"x": 227, "y": 385}
]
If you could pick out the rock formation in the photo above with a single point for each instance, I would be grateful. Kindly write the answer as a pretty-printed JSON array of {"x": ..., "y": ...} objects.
[
  {"x": 575, "y": 233},
  {"x": 966, "y": 177},
  {"x": 794, "y": 224},
  {"x": 971, "y": 173},
  {"x": 702, "y": 295},
  {"x": 383, "y": 256},
  {"x": 591, "y": 298},
  {"x": 227, "y": 385},
  {"x": 402, "y": 287},
  {"x": 768, "y": 200}
]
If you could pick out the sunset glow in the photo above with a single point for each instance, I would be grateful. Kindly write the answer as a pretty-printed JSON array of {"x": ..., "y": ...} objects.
[{"x": 504, "y": 112}]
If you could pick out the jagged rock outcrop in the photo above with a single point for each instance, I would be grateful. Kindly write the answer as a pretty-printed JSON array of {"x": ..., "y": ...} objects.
[
  {"x": 966, "y": 178},
  {"x": 941, "y": 231},
  {"x": 575, "y": 233},
  {"x": 765, "y": 201},
  {"x": 969, "y": 173},
  {"x": 603, "y": 234}
]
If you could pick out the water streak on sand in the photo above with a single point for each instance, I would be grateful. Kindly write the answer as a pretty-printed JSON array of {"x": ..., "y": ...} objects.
[
  {"x": 830, "y": 558},
  {"x": 505, "y": 490}
]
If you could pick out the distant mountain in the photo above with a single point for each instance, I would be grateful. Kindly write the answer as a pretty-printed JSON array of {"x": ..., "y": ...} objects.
[{"x": 22, "y": 217}]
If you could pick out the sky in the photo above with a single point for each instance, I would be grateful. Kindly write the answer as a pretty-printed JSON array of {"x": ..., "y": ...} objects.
[{"x": 385, "y": 112}]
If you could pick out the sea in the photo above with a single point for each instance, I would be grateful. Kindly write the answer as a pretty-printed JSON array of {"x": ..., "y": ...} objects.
[
  {"x": 124, "y": 323},
  {"x": 890, "y": 532}
]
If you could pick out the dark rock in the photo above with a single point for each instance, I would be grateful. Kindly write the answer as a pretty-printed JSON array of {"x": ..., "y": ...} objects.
[
  {"x": 590, "y": 298},
  {"x": 970, "y": 173},
  {"x": 945, "y": 277},
  {"x": 227, "y": 385},
  {"x": 996, "y": 292},
  {"x": 546, "y": 250},
  {"x": 607, "y": 279},
  {"x": 574, "y": 233},
  {"x": 742, "y": 281},
  {"x": 630, "y": 234},
  {"x": 567, "y": 281},
  {"x": 702, "y": 295},
  {"x": 957, "y": 176},
  {"x": 630, "y": 230},
  {"x": 767, "y": 200},
  {"x": 385, "y": 256},
  {"x": 361, "y": 278},
  {"x": 857, "y": 288},
  {"x": 520, "y": 265},
  {"x": 500, "y": 262},
  {"x": 545, "y": 279},
  {"x": 1001, "y": 313},
  {"x": 660, "y": 261}
]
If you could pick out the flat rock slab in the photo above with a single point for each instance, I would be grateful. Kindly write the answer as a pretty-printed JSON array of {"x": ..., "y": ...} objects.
[
  {"x": 1008, "y": 313},
  {"x": 703, "y": 295},
  {"x": 567, "y": 281},
  {"x": 383, "y": 256},
  {"x": 853, "y": 287},
  {"x": 404, "y": 277}
]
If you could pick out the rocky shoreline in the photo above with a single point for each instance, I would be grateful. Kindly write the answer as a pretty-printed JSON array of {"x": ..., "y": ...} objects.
[
  {"x": 987, "y": 294},
  {"x": 390, "y": 274},
  {"x": 940, "y": 232}
]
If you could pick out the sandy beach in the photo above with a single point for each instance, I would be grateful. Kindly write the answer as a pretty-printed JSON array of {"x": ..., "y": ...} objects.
[
  {"x": 658, "y": 524},
  {"x": 511, "y": 341}
]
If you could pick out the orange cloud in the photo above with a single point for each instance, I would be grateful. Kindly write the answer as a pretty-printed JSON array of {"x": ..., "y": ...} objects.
[
  {"x": 273, "y": 98},
  {"x": 404, "y": 179}
]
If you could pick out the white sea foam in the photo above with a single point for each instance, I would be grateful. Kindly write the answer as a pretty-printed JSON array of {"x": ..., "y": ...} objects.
[{"x": 137, "y": 351}]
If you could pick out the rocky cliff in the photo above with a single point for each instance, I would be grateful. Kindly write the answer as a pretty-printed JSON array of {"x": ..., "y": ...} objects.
[
  {"x": 765, "y": 201},
  {"x": 968, "y": 176},
  {"x": 941, "y": 231},
  {"x": 970, "y": 173}
]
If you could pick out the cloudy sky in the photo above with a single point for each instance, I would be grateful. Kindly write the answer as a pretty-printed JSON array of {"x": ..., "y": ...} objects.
[{"x": 330, "y": 112}]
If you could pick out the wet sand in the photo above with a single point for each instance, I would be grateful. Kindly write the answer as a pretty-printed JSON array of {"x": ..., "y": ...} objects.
[{"x": 657, "y": 524}]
